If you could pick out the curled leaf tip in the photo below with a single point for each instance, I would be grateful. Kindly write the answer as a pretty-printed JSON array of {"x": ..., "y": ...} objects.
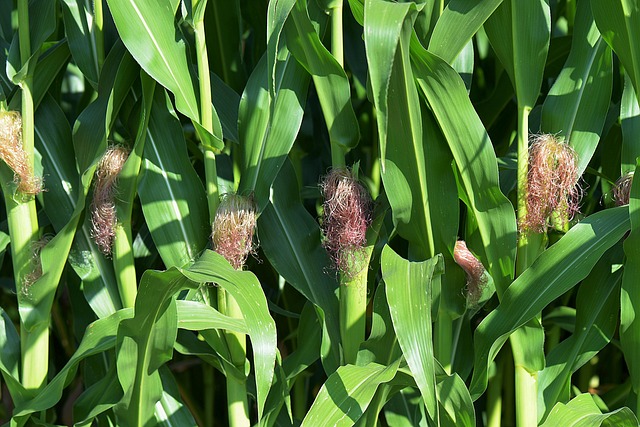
[{"x": 233, "y": 229}]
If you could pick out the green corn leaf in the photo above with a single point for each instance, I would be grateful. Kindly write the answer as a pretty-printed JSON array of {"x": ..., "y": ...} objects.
[
  {"x": 223, "y": 21},
  {"x": 328, "y": 76},
  {"x": 53, "y": 141},
  {"x": 145, "y": 342},
  {"x": 454, "y": 401},
  {"x": 277, "y": 14},
  {"x": 577, "y": 104},
  {"x": 100, "y": 336},
  {"x": 630, "y": 294},
  {"x": 408, "y": 175},
  {"x": 171, "y": 410},
  {"x": 36, "y": 306},
  {"x": 42, "y": 23},
  {"x": 195, "y": 316},
  {"x": 382, "y": 41},
  {"x": 268, "y": 127},
  {"x": 50, "y": 63},
  {"x": 81, "y": 37},
  {"x": 630, "y": 123},
  {"x": 474, "y": 156},
  {"x": 519, "y": 32},
  {"x": 147, "y": 29},
  {"x": 347, "y": 393},
  {"x": 290, "y": 238},
  {"x": 582, "y": 411},
  {"x": 619, "y": 23},
  {"x": 244, "y": 287},
  {"x": 10, "y": 357},
  {"x": 595, "y": 323},
  {"x": 552, "y": 274},
  {"x": 382, "y": 344},
  {"x": 409, "y": 292},
  {"x": 98, "y": 398},
  {"x": 172, "y": 195},
  {"x": 226, "y": 103},
  {"x": 459, "y": 21}
]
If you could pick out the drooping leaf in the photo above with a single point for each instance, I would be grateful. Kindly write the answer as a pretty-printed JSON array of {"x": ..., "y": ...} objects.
[
  {"x": 347, "y": 393},
  {"x": 244, "y": 287},
  {"x": 148, "y": 30},
  {"x": 409, "y": 292},
  {"x": 583, "y": 411},
  {"x": 553, "y": 273}
]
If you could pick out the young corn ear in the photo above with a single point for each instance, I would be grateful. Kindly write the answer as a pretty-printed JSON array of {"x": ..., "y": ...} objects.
[
  {"x": 476, "y": 273},
  {"x": 622, "y": 189},
  {"x": 103, "y": 207},
  {"x": 552, "y": 183},
  {"x": 347, "y": 211},
  {"x": 14, "y": 156},
  {"x": 233, "y": 228}
]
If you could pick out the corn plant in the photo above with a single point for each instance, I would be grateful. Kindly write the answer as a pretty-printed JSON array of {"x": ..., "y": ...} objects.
[{"x": 320, "y": 212}]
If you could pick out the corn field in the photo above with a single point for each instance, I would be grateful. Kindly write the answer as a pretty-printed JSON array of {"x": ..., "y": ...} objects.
[{"x": 320, "y": 213}]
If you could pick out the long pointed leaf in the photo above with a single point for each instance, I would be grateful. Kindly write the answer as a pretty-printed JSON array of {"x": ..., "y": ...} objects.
[{"x": 553, "y": 273}]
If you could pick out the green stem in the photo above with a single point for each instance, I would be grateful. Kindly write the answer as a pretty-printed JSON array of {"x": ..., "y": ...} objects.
[
  {"x": 526, "y": 382},
  {"x": 494, "y": 396},
  {"x": 206, "y": 109},
  {"x": 23, "y": 228},
  {"x": 522, "y": 261},
  {"x": 337, "y": 50},
  {"x": 237, "y": 402},
  {"x": 526, "y": 397},
  {"x": 34, "y": 344},
  {"x": 353, "y": 306},
  {"x": 300, "y": 397},
  {"x": 444, "y": 339},
  {"x": 98, "y": 26},
  {"x": 123, "y": 262}
]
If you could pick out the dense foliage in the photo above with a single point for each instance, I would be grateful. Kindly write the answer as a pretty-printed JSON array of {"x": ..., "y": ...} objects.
[{"x": 320, "y": 212}]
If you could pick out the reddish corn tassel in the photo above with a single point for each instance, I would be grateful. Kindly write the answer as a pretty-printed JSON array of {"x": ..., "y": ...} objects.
[
  {"x": 103, "y": 207},
  {"x": 233, "y": 229},
  {"x": 552, "y": 183},
  {"x": 13, "y": 154},
  {"x": 347, "y": 211}
]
